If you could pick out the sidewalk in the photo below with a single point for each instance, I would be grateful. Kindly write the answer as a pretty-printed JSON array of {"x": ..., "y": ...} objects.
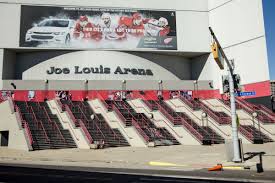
[{"x": 183, "y": 158}]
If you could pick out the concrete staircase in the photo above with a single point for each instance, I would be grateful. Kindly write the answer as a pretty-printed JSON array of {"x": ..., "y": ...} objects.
[
  {"x": 67, "y": 123},
  {"x": 129, "y": 133},
  {"x": 45, "y": 127},
  {"x": 223, "y": 130},
  {"x": 246, "y": 121},
  {"x": 179, "y": 133}
]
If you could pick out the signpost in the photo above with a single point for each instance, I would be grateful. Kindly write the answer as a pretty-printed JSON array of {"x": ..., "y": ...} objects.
[{"x": 220, "y": 56}]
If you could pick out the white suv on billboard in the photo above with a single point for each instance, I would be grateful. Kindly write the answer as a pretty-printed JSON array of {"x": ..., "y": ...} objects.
[{"x": 51, "y": 30}]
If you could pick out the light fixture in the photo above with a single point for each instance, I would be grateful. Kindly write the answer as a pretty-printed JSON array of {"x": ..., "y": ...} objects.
[
  {"x": 204, "y": 115},
  {"x": 255, "y": 114}
]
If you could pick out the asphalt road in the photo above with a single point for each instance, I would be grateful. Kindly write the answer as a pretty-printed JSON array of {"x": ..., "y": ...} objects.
[{"x": 45, "y": 173}]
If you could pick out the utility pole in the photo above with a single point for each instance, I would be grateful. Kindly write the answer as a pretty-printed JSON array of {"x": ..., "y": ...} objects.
[{"x": 235, "y": 137}]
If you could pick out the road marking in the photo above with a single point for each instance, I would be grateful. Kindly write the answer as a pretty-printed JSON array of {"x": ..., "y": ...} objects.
[{"x": 154, "y": 163}]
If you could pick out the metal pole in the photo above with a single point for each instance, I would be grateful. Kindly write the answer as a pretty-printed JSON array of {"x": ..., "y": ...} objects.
[
  {"x": 259, "y": 126},
  {"x": 235, "y": 137}
]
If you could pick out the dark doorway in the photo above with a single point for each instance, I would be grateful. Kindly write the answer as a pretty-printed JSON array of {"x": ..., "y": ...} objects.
[{"x": 4, "y": 138}]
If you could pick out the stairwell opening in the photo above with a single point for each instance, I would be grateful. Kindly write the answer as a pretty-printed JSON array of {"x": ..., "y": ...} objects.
[{"x": 4, "y": 138}]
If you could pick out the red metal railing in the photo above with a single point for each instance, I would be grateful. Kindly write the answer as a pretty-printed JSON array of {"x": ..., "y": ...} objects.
[
  {"x": 24, "y": 124},
  {"x": 94, "y": 124},
  {"x": 121, "y": 117},
  {"x": 44, "y": 131},
  {"x": 170, "y": 118},
  {"x": 267, "y": 111},
  {"x": 38, "y": 123},
  {"x": 227, "y": 103},
  {"x": 247, "y": 107},
  {"x": 250, "y": 108},
  {"x": 60, "y": 106},
  {"x": 102, "y": 101},
  {"x": 194, "y": 116},
  {"x": 140, "y": 131},
  {"x": 182, "y": 121},
  {"x": 28, "y": 131},
  {"x": 106, "y": 126},
  {"x": 86, "y": 132},
  {"x": 193, "y": 105},
  {"x": 192, "y": 130},
  {"x": 246, "y": 133},
  {"x": 150, "y": 106},
  {"x": 33, "y": 114},
  {"x": 83, "y": 117},
  {"x": 67, "y": 108},
  {"x": 220, "y": 119},
  {"x": 53, "y": 123}
]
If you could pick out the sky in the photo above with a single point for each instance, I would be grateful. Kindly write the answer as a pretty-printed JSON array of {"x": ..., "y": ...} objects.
[{"x": 269, "y": 16}]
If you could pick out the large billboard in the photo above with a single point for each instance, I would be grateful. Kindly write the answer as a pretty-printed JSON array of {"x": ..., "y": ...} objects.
[{"x": 96, "y": 28}]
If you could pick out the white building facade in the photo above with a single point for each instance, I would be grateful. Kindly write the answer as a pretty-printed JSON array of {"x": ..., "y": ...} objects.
[{"x": 182, "y": 54}]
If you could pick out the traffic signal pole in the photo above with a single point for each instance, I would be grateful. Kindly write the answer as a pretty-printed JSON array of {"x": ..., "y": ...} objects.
[{"x": 235, "y": 137}]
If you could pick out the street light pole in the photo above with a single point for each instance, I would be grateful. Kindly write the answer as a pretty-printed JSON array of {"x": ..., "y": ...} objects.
[
  {"x": 235, "y": 137},
  {"x": 234, "y": 120}
]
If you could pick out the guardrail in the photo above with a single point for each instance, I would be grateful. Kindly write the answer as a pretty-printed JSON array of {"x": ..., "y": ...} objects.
[
  {"x": 250, "y": 109},
  {"x": 94, "y": 124},
  {"x": 139, "y": 107},
  {"x": 118, "y": 113},
  {"x": 86, "y": 132},
  {"x": 54, "y": 125},
  {"x": 191, "y": 128},
  {"x": 68, "y": 110},
  {"x": 226, "y": 120},
  {"x": 28, "y": 131},
  {"x": 58, "y": 111},
  {"x": 194, "y": 106},
  {"x": 266, "y": 110},
  {"x": 247, "y": 134},
  {"x": 44, "y": 131},
  {"x": 191, "y": 112},
  {"x": 140, "y": 131}
]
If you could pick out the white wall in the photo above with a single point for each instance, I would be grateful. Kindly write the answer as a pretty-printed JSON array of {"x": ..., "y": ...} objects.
[
  {"x": 10, "y": 25},
  {"x": 212, "y": 4},
  {"x": 200, "y": 5},
  {"x": 8, "y": 122},
  {"x": 239, "y": 26},
  {"x": 192, "y": 31},
  {"x": 237, "y": 21},
  {"x": 1, "y": 66},
  {"x": 192, "y": 19}
]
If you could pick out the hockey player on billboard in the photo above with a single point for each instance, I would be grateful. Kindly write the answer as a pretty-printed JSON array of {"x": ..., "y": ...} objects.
[
  {"x": 157, "y": 27},
  {"x": 84, "y": 29},
  {"x": 110, "y": 29},
  {"x": 133, "y": 25}
]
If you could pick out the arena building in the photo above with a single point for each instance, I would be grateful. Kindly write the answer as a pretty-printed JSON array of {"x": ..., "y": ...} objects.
[
  {"x": 29, "y": 49},
  {"x": 272, "y": 83},
  {"x": 99, "y": 50}
]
